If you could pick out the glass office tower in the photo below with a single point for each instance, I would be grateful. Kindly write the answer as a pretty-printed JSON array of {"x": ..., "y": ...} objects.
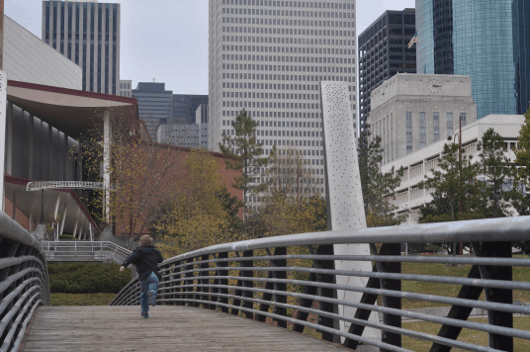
[
  {"x": 481, "y": 39},
  {"x": 521, "y": 53}
]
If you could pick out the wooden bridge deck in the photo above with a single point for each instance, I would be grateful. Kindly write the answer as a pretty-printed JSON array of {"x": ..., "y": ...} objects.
[{"x": 169, "y": 328}]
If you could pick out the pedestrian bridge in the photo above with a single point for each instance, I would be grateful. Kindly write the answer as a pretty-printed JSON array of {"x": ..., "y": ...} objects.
[{"x": 228, "y": 296}]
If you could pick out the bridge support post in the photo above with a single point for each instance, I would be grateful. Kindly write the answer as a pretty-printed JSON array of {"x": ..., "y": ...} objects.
[
  {"x": 203, "y": 289},
  {"x": 247, "y": 283},
  {"x": 175, "y": 286},
  {"x": 223, "y": 272},
  {"x": 278, "y": 286}
]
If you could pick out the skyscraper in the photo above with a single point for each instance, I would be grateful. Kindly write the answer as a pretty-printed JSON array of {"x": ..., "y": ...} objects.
[
  {"x": 88, "y": 33},
  {"x": 154, "y": 105},
  {"x": 383, "y": 52},
  {"x": 487, "y": 40},
  {"x": 268, "y": 57}
]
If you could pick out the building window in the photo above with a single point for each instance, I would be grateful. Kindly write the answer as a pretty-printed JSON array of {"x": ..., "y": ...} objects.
[
  {"x": 436, "y": 126},
  {"x": 463, "y": 118},
  {"x": 423, "y": 132},
  {"x": 449, "y": 124},
  {"x": 409, "y": 131}
]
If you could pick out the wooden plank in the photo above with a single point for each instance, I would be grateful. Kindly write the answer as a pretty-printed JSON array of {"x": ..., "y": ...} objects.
[{"x": 169, "y": 328}]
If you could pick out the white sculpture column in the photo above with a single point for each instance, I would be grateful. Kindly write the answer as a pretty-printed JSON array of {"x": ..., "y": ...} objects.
[
  {"x": 345, "y": 198},
  {"x": 3, "y": 115}
]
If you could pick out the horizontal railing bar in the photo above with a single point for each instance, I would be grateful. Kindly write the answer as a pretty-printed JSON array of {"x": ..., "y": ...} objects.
[
  {"x": 484, "y": 230},
  {"x": 12, "y": 278},
  {"x": 495, "y": 329},
  {"x": 14, "y": 231},
  {"x": 14, "y": 310},
  {"x": 514, "y": 285},
  {"x": 10, "y": 261},
  {"x": 378, "y": 258},
  {"x": 503, "y": 307},
  {"x": 12, "y": 295},
  {"x": 14, "y": 325},
  {"x": 22, "y": 331},
  {"x": 308, "y": 324},
  {"x": 389, "y": 328}
]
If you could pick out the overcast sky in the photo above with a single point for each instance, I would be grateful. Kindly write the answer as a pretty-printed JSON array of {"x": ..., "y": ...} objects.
[{"x": 167, "y": 40}]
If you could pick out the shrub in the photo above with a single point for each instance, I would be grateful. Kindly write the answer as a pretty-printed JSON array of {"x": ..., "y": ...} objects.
[
  {"x": 87, "y": 278},
  {"x": 67, "y": 237}
]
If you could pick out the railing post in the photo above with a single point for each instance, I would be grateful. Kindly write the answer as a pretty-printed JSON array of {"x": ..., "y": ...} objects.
[
  {"x": 215, "y": 288},
  {"x": 395, "y": 285},
  {"x": 189, "y": 281},
  {"x": 175, "y": 286},
  {"x": 222, "y": 272},
  {"x": 247, "y": 283},
  {"x": 279, "y": 263},
  {"x": 327, "y": 292},
  {"x": 498, "y": 295},
  {"x": 203, "y": 281}
]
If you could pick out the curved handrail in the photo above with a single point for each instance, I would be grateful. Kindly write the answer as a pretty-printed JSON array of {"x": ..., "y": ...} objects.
[
  {"x": 264, "y": 278},
  {"x": 24, "y": 284}
]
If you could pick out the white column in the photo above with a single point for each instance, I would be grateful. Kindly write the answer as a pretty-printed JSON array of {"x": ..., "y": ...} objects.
[
  {"x": 30, "y": 145},
  {"x": 63, "y": 219},
  {"x": 107, "y": 142},
  {"x": 50, "y": 152},
  {"x": 76, "y": 222},
  {"x": 3, "y": 102},
  {"x": 66, "y": 156},
  {"x": 9, "y": 139},
  {"x": 345, "y": 197}
]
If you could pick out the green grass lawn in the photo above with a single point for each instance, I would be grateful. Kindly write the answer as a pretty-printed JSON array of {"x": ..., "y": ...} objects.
[
  {"x": 519, "y": 274},
  {"x": 81, "y": 299},
  {"x": 470, "y": 336}
]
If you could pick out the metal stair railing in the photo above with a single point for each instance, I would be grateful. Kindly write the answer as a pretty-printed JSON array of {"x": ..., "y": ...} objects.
[
  {"x": 24, "y": 283},
  {"x": 291, "y": 278},
  {"x": 82, "y": 251}
]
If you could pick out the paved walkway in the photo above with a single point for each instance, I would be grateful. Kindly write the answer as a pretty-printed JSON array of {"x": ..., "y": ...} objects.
[{"x": 169, "y": 328}]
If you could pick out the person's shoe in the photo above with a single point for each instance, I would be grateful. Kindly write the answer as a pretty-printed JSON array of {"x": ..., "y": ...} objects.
[
  {"x": 145, "y": 315},
  {"x": 152, "y": 298}
]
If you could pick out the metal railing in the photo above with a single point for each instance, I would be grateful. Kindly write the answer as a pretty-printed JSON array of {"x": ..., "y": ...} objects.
[
  {"x": 83, "y": 251},
  {"x": 39, "y": 185},
  {"x": 24, "y": 282},
  {"x": 292, "y": 278}
]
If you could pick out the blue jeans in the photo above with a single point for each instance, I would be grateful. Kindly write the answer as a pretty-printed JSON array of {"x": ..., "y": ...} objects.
[{"x": 151, "y": 283}]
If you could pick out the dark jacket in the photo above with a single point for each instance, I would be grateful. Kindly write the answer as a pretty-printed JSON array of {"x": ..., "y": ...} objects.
[{"x": 146, "y": 259}]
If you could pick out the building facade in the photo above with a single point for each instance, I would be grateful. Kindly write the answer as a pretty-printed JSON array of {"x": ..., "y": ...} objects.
[
  {"x": 482, "y": 39},
  {"x": 180, "y": 135},
  {"x": 201, "y": 116},
  {"x": 21, "y": 48},
  {"x": 411, "y": 111},
  {"x": 383, "y": 52},
  {"x": 153, "y": 104},
  {"x": 409, "y": 197},
  {"x": 125, "y": 89},
  {"x": 268, "y": 57},
  {"x": 87, "y": 33},
  {"x": 185, "y": 106}
]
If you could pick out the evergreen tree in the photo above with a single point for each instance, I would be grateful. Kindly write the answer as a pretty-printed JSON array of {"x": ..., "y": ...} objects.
[
  {"x": 377, "y": 187},
  {"x": 246, "y": 155}
]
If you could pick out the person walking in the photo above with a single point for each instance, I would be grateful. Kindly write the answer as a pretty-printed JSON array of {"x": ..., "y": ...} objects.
[{"x": 146, "y": 258}]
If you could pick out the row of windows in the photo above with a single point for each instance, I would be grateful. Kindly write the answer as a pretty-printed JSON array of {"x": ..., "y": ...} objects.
[
  {"x": 271, "y": 114},
  {"x": 287, "y": 96},
  {"x": 289, "y": 40},
  {"x": 301, "y": 124},
  {"x": 267, "y": 105},
  {"x": 291, "y": 32},
  {"x": 301, "y": 78},
  {"x": 289, "y": 49},
  {"x": 286, "y": 13},
  {"x": 303, "y": 4}
]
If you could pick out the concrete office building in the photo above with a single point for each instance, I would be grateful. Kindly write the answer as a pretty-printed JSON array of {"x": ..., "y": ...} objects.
[
  {"x": 487, "y": 40},
  {"x": 87, "y": 33},
  {"x": 180, "y": 135},
  {"x": 383, "y": 52},
  {"x": 201, "y": 116},
  {"x": 185, "y": 106},
  {"x": 409, "y": 197},
  {"x": 411, "y": 111},
  {"x": 125, "y": 89},
  {"x": 28, "y": 59},
  {"x": 268, "y": 57},
  {"x": 153, "y": 104}
]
